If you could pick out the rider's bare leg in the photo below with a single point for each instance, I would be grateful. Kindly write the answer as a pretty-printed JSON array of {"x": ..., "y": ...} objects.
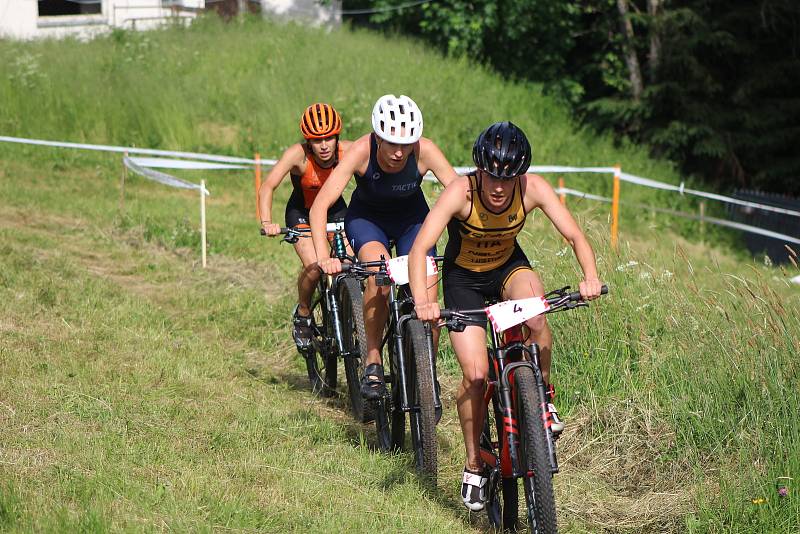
[
  {"x": 376, "y": 310},
  {"x": 470, "y": 349},
  {"x": 308, "y": 277},
  {"x": 523, "y": 284}
]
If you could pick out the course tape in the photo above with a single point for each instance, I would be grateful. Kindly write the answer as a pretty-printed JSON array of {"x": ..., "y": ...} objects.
[
  {"x": 429, "y": 177},
  {"x": 165, "y": 163},
  {"x": 161, "y": 177},
  {"x": 712, "y": 220},
  {"x": 682, "y": 190},
  {"x": 134, "y": 150}
]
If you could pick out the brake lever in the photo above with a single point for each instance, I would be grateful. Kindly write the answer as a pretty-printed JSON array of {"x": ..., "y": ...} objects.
[{"x": 564, "y": 291}]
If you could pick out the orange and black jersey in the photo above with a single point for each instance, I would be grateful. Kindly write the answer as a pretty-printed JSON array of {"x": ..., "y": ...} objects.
[
  {"x": 485, "y": 240},
  {"x": 309, "y": 184}
]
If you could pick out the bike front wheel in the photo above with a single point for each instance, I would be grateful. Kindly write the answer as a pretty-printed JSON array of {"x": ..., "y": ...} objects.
[
  {"x": 319, "y": 356},
  {"x": 423, "y": 399},
  {"x": 354, "y": 338},
  {"x": 534, "y": 456}
]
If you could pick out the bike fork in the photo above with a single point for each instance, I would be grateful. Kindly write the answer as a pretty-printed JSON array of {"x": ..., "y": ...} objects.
[
  {"x": 333, "y": 308},
  {"x": 546, "y": 417}
]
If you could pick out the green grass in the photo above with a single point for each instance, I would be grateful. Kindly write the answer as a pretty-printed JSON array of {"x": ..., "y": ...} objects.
[{"x": 140, "y": 392}]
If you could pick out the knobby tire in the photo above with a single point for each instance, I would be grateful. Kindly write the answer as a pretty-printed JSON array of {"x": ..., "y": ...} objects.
[
  {"x": 539, "y": 498},
  {"x": 320, "y": 358},
  {"x": 354, "y": 335},
  {"x": 423, "y": 416}
]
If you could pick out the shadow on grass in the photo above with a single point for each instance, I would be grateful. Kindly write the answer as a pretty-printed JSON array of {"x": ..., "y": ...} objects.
[{"x": 361, "y": 435}]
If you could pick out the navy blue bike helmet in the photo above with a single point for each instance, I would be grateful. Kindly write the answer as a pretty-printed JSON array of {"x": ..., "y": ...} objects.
[{"x": 502, "y": 150}]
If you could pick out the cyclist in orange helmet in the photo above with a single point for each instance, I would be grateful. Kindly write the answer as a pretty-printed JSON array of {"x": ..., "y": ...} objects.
[{"x": 309, "y": 164}]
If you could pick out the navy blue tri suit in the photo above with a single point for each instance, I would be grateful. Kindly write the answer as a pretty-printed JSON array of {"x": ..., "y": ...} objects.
[{"x": 386, "y": 205}]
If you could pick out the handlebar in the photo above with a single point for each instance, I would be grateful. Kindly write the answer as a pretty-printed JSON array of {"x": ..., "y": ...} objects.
[
  {"x": 558, "y": 300},
  {"x": 362, "y": 267},
  {"x": 299, "y": 231}
]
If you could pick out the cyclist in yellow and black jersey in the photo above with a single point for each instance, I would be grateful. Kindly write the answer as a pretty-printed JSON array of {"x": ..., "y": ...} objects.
[{"x": 484, "y": 212}]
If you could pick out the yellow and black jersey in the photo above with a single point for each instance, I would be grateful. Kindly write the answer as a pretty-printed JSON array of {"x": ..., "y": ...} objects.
[{"x": 485, "y": 240}]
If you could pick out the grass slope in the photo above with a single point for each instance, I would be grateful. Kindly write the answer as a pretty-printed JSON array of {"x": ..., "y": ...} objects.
[{"x": 139, "y": 392}]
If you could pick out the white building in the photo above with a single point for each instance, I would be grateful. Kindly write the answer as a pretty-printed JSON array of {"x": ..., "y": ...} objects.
[
  {"x": 305, "y": 10},
  {"x": 28, "y": 19}
]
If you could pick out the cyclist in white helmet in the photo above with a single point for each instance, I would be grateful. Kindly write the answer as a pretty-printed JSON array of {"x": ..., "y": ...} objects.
[{"x": 387, "y": 205}]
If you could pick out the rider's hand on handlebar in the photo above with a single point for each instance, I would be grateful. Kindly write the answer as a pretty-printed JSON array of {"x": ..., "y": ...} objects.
[
  {"x": 271, "y": 229},
  {"x": 590, "y": 288},
  {"x": 330, "y": 265},
  {"x": 428, "y": 311}
]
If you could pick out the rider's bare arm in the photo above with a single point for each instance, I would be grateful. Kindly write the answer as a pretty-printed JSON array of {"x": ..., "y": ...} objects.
[
  {"x": 292, "y": 160},
  {"x": 355, "y": 159},
  {"x": 432, "y": 159},
  {"x": 539, "y": 194},
  {"x": 453, "y": 202}
]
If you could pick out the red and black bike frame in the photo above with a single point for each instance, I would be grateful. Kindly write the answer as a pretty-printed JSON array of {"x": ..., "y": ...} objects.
[{"x": 505, "y": 357}]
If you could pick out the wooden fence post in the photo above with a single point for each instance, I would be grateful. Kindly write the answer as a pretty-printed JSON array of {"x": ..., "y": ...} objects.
[
  {"x": 258, "y": 185},
  {"x": 702, "y": 221},
  {"x": 615, "y": 208},
  {"x": 203, "y": 220},
  {"x": 122, "y": 184}
]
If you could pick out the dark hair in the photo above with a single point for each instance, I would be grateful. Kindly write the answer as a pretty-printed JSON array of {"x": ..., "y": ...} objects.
[{"x": 502, "y": 150}]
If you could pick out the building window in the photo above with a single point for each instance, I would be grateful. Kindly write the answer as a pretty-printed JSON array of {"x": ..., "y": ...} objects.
[{"x": 50, "y": 8}]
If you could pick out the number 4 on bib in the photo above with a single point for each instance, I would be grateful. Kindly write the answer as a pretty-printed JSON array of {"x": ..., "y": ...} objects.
[{"x": 506, "y": 314}]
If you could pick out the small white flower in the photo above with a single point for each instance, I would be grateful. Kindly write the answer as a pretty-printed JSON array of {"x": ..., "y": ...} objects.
[{"x": 562, "y": 251}]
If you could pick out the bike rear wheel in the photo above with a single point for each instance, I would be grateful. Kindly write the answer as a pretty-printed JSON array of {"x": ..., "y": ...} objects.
[
  {"x": 534, "y": 457},
  {"x": 354, "y": 337},
  {"x": 422, "y": 420},
  {"x": 320, "y": 357}
]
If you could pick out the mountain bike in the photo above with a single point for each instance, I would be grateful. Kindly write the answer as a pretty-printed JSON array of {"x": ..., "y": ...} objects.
[
  {"x": 335, "y": 309},
  {"x": 517, "y": 442},
  {"x": 411, "y": 384}
]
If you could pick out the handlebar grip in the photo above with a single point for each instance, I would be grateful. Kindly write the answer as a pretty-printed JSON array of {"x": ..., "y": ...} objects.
[
  {"x": 576, "y": 296},
  {"x": 346, "y": 267},
  {"x": 445, "y": 314},
  {"x": 283, "y": 231}
]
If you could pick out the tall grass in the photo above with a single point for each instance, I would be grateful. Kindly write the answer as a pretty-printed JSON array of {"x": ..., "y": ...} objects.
[{"x": 140, "y": 393}]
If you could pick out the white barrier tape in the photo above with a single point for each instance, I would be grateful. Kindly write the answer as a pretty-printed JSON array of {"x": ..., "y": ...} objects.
[
  {"x": 712, "y": 220},
  {"x": 165, "y": 163},
  {"x": 581, "y": 194},
  {"x": 134, "y": 150},
  {"x": 713, "y": 196},
  {"x": 429, "y": 177},
  {"x": 162, "y": 178}
]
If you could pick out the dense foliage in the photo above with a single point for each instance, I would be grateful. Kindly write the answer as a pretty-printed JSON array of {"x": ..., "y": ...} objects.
[{"x": 710, "y": 84}]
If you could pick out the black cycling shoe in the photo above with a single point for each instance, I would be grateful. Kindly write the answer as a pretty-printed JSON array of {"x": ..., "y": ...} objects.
[
  {"x": 474, "y": 489},
  {"x": 302, "y": 332},
  {"x": 373, "y": 385}
]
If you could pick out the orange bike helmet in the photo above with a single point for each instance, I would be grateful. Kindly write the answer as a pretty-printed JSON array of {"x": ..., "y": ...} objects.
[{"x": 320, "y": 121}]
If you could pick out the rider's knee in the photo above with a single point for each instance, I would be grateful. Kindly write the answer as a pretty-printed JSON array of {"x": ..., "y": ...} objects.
[
  {"x": 474, "y": 382},
  {"x": 537, "y": 324}
]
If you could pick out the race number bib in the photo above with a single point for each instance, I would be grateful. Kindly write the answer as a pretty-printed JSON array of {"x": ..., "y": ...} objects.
[
  {"x": 506, "y": 314},
  {"x": 397, "y": 268}
]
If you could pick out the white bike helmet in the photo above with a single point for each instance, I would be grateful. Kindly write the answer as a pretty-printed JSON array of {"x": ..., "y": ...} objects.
[{"x": 397, "y": 119}]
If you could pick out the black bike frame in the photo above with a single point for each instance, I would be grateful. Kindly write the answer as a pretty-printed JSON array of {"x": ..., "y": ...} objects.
[{"x": 395, "y": 330}]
